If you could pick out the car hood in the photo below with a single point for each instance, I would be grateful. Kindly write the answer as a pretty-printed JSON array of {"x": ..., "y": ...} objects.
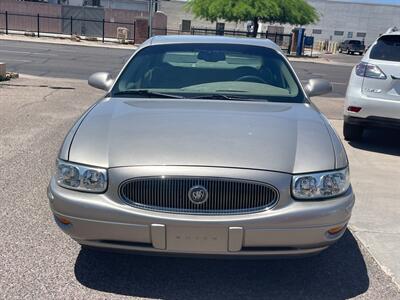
[{"x": 290, "y": 138}]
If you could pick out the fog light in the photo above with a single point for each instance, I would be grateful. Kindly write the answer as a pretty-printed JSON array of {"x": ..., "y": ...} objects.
[{"x": 336, "y": 230}]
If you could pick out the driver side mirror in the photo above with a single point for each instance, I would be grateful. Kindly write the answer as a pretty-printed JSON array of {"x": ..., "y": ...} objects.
[
  {"x": 101, "y": 80},
  {"x": 317, "y": 87}
]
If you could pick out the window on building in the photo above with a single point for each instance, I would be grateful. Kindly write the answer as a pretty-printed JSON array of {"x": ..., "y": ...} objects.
[
  {"x": 317, "y": 31},
  {"x": 340, "y": 33},
  {"x": 361, "y": 34},
  {"x": 349, "y": 35},
  {"x": 186, "y": 25}
]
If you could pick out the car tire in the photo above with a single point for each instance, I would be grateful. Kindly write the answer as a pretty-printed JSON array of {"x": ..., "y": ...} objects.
[
  {"x": 351, "y": 52},
  {"x": 340, "y": 50},
  {"x": 352, "y": 132}
]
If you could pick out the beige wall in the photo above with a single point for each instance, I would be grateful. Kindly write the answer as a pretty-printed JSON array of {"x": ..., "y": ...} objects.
[
  {"x": 175, "y": 10},
  {"x": 30, "y": 23}
]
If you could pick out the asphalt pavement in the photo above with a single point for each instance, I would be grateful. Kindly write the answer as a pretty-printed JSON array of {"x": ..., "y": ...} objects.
[
  {"x": 61, "y": 61},
  {"x": 77, "y": 62},
  {"x": 38, "y": 261}
]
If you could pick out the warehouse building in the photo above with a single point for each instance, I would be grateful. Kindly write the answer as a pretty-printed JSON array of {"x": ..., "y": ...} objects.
[{"x": 340, "y": 20}]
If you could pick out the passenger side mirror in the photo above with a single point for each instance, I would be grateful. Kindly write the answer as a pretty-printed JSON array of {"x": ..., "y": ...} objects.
[
  {"x": 101, "y": 80},
  {"x": 317, "y": 87}
]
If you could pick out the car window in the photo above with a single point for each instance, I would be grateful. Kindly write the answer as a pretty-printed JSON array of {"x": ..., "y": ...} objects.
[
  {"x": 355, "y": 42},
  {"x": 387, "y": 48},
  {"x": 201, "y": 69}
]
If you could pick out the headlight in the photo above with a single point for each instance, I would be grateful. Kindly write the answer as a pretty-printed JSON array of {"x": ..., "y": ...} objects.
[
  {"x": 82, "y": 178},
  {"x": 320, "y": 185}
]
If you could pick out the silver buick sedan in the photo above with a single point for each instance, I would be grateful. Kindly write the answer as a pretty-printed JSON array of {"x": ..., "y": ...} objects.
[{"x": 204, "y": 146}]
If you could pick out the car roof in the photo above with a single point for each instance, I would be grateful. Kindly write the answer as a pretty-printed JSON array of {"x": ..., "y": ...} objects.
[
  {"x": 391, "y": 33},
  {"x": 199, "y": 39}
]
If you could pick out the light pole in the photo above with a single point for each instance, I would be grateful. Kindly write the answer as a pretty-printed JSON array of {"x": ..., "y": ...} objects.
[{"x": 150, "y": 18}]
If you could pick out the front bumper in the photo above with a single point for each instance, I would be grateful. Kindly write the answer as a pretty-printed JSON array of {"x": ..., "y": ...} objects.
[{"x": 291, "y": 228}]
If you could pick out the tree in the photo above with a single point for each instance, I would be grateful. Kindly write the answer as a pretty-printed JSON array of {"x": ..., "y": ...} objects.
[{"x": 295, "y": 12}]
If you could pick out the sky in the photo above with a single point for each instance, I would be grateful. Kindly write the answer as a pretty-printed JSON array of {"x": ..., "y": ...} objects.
[{"x": 375, "y": 1}]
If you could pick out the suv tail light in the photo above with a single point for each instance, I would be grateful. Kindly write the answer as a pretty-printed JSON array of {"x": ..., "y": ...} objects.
[
  {"x": 355, "y": 109},
  {"x": 369, "y": 70}
]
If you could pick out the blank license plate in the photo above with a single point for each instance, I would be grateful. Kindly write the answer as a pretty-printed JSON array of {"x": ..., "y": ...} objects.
[{"x": 197, "y": 239}]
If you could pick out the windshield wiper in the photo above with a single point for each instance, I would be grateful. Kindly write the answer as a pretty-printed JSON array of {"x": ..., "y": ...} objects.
[
  {"x": 224, "y": 97},
  {"x": 146, "y": 93}
]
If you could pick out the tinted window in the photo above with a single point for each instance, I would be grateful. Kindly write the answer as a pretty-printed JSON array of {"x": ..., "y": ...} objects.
[
  {"x": 203, "y": 69},
  {"x": 387, "y": 48},
  {"x": 355, "y": 42}
]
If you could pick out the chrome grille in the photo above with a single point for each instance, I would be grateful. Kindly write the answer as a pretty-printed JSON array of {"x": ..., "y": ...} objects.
[{"x": 225, "y": 196}]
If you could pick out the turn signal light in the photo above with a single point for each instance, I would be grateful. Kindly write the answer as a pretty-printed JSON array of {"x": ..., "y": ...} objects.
[
  {"x": 336, "y": 230},
  {"x": 63, "y": 220},
  {"x": 355, "y": 109}
]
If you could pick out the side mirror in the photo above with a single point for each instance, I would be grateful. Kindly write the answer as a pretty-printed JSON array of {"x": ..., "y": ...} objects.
[
  {"x": 317, "y": 87},
  {"x": 101, "y": 80}
]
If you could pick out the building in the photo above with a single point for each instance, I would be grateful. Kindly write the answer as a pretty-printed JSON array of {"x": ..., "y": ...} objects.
[{"x": 340, "y": 20}]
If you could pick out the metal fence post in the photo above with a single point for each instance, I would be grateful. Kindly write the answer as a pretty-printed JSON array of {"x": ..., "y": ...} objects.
[
  {"x": 38, "y": 25},
  {"x": 103, "y": 30},
  {"x": 134, "y": 32},
  {"x": 290, "y": 44},
  {"x": 72, "y": 32},
  {"x": 6, "y": 22}
]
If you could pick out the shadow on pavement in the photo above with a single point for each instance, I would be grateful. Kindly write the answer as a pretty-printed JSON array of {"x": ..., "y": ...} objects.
[
  {"x": 379, "y": 140},
  {"x": 337, "y": 273}
]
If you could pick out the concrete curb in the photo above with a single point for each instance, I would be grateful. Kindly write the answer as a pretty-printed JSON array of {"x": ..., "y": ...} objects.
[
  {"x": 383, "y": 268},
  {"x": 64, "y": 41},
  {"x": 320, "y": 60}
]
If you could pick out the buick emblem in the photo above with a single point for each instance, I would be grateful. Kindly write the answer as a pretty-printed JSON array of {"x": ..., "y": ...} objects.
[{"x": 198, "y": 194}]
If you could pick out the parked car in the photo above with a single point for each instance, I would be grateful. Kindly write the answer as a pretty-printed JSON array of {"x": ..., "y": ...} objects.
[
  {"x": 204, "y": 145},
  {"x": 351, "y": 47},
  {"x": 373, "y": 94}
]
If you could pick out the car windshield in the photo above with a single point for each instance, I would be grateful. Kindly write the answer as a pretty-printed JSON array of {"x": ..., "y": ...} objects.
[
  {"x": 387, "y": 48},
  {"x": 209, "y": 71}
]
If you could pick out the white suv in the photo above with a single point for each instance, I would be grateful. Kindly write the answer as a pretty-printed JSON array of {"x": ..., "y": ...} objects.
[{"x": 373, "y": 94}]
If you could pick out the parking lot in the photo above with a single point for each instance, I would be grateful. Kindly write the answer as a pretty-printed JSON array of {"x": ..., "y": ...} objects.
[{"x": 38, "y": 261}]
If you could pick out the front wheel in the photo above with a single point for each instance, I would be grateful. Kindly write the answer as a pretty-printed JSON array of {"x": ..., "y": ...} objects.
[
  {"x": 352, "y": 132},
  {"x": 340, "y": 50}
]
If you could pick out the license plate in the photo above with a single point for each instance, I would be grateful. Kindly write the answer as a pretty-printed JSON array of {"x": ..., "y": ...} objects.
[{"x": 196, "y": 239}]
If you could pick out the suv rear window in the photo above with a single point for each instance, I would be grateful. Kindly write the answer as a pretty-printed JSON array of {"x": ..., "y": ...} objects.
[
  {"x": 355, "y": 42},
  {"x": 387, "y": 48}
]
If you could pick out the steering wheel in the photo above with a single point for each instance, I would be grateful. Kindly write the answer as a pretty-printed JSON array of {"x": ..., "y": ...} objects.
[{"x": 251, "y": 78}]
